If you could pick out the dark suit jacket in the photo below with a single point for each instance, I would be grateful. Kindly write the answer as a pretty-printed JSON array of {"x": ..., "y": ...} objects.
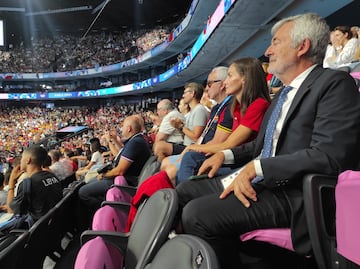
[{"x": 321, "y": 134}]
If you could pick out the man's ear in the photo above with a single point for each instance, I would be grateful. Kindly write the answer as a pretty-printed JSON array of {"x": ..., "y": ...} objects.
[
  {"x": 28, "y": 161},
  {"x": 304, "y": 47}
]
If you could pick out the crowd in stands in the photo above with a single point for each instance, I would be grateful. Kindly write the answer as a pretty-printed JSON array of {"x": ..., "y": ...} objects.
[
  {"x": 67, "y": 53},
  {"x": 255, "y": 149},
  {"x": 21, "y": 127}
]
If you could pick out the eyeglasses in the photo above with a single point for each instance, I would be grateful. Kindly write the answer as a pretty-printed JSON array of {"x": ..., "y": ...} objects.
[{"x": 211, "y": 82}]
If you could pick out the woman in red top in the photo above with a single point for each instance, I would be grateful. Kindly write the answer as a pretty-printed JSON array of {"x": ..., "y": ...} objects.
[{"x": 246, "y": 82}]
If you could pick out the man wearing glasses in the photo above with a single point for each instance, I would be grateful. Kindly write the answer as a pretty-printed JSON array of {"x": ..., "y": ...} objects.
[{"x": 194, "y": 125}]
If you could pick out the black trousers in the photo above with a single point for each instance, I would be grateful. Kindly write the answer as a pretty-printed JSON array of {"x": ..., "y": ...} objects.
[{"x": 221, "y": 221}]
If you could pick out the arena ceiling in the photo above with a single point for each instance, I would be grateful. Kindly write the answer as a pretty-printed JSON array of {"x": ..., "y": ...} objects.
[{"x": 78, "y": 16}]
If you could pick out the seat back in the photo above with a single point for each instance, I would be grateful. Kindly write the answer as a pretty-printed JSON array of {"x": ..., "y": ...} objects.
[
  {"x": 9, "y": 256},
  {"x": 319, "y": 202},
  {"x": 185, "y": 252},
  {"x": 151, "y": 228},
  {"x": 151, "y": 166},
  {"x": 108, "y": 218},
  {"x": 115, "y": 194},
  {"x": 347, "y": 215},
  {"x": 96, "y": 253},
  {"x": 39, "y": 241},
  {"x": 356, "y": 68}
]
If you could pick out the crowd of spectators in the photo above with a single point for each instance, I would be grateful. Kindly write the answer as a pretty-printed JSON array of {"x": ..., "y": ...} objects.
[
  {"x": 21, "y": 127},
  {"x": 67, "y": 53}
]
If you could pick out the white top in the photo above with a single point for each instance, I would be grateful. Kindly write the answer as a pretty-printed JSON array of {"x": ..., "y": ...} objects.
[
  {"x": 346, "y": 56},
  {"x": 174, "y": 135},
  {"x": 97, "y": 159}
]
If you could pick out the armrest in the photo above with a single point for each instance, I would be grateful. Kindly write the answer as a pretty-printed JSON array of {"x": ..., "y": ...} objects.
[
  {"x": 319, "y": 203},
  {"x": 120, "y": 240},
  {"x": 18, "y": 232},
  {"x": 125, "y": 207},
  {"x": 129, "y": 189}
]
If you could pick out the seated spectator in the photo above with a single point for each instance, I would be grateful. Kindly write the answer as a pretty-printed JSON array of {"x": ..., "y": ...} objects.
[
  {"x": 194, "y": 125},
  {"x": 184, "y": 108},
  {"x": 206, "y": 101},
  {"x": 131, "y": 160},
  {"x": 168, "y": 133},
  {"x": 156, "y": 121},
  {"x": 356, "y": 34},
  {"x": 217, "y": 129},
  {"x": 246, "y": 82},
  {"x": 60, "y": 167},
  {"x": 332, "y": 50},
  {"x": 267, "y": 192},
  {"x": 45, "y": 190},
  {"x": 68, "y": 154},
  {"x": 345, "y": 50},
  {"x": 15, "y": 163},
  {"x": 95, "y": 162}
]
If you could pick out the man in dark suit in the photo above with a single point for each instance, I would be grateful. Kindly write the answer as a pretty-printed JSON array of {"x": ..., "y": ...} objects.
[{"x": 317, "y": 130}]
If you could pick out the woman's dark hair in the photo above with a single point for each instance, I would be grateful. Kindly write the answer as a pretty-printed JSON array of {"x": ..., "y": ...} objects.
[
  {"x": 344, "y": 29},
  {"x": 255, "y": 85},
  {"x": 94, "y": 144},
  {"x": 69, "y": 153}
]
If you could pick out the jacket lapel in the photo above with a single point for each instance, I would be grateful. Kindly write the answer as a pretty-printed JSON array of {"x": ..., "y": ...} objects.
[{"x": 304, "y": 89}]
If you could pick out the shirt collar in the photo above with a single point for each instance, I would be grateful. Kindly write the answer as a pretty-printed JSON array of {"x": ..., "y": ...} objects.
[{"x": 296, "y": 83}]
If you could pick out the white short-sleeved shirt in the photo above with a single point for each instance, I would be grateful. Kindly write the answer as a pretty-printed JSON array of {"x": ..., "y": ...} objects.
[
  {"x": 174, "y": 135},
  {"x": 97, "y": 159}
]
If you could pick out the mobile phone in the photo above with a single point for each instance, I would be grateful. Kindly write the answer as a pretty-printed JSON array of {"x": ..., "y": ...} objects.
[{"x": 204, "y": 176}]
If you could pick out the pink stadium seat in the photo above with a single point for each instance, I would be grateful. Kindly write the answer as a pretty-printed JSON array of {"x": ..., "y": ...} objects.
[
  {"x": 108, "y": 218},
  {"x": 137, "y": 247},
  {"x": 115, "y": 194},
  {"x": 347, "y": 195},
  {"x": 355, "y": 75},
  {"x": 120, "y": 180},
  {"x": 107, "y": 256},
  {"x": 280, "y": 237}
]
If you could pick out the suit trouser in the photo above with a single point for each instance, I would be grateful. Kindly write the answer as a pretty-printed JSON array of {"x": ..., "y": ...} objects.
[{"x": 221, "y": 221}]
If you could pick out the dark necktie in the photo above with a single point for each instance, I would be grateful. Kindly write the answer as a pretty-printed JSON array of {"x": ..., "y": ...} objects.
[{"x": 270, "y": 128}]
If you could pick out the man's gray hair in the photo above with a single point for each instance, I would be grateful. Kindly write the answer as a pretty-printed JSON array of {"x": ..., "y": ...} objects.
[
  {"x": 167, "y": 104},
  {"x": 308, "y": 26},
  {"x": 221, "y": 72}
]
